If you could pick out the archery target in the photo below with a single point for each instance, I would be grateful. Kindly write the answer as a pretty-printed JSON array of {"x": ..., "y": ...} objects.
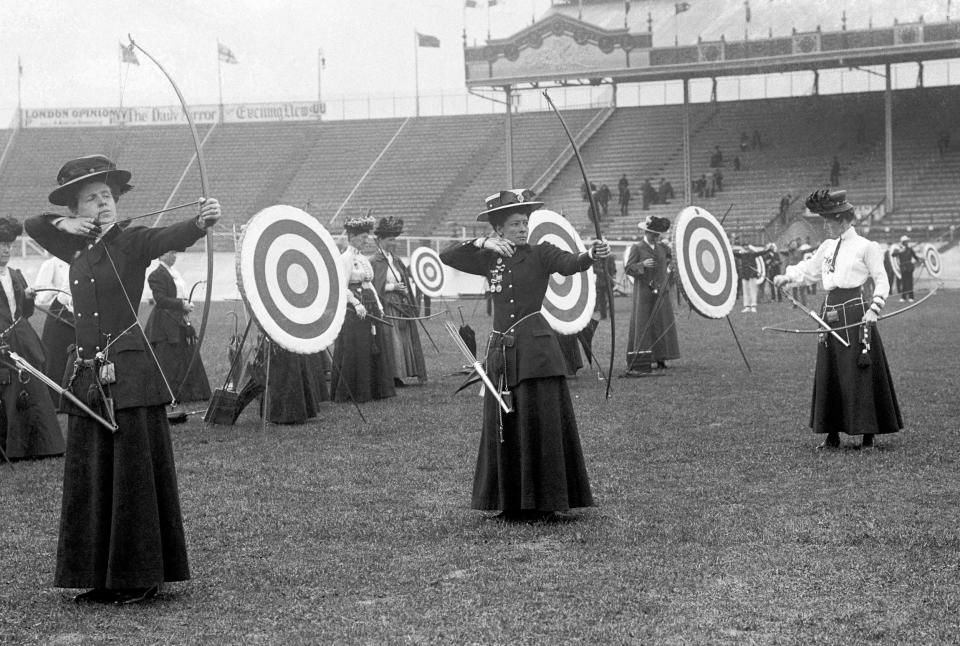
[
  {"x": 895, "y": 265},
  {"x": 705, "y": 263},
  {"x": 290, "y": 277},
  {"x": 426, "y": 270},
  {"x": 569, "y": 301},
  {"x": 931, "y": 258},
  {"x": 761, "y": 268}
]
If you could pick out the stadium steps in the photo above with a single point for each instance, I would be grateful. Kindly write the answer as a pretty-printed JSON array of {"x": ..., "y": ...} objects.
[{"x": 538, "y": 140}]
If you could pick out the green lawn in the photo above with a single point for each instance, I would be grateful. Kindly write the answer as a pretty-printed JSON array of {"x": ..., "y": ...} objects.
[{"x": 716, "y": 520}]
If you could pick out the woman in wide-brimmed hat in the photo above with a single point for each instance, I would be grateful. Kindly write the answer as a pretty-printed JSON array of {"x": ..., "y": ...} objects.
[
  {"x": 121, "y": 530},
  {"x": 652, "y": 323},
  {"x": 530, "y": 463},
  {"x": 852, "y": 390},
  {"x": 362, "y": 357},
  {"x": 29, "y": 427}
]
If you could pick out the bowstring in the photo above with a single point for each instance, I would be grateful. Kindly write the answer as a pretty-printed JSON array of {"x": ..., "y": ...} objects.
[{"x": 136, "y": 322}]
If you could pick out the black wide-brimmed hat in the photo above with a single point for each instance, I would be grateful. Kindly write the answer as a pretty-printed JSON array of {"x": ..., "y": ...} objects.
[
  {"x": 506, "y": 202},
  {"x": 10, "y": 229},
  {"x": 77, "y": 172},
  {"x": 389, "y": 227},
  {"x": 827, "y": 203},
  {"x": 655, "y": 224}
]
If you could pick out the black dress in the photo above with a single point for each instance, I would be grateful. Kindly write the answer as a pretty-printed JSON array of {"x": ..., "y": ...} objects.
[
  {"x": 29, "y": 427},
  {"x": 174, "y": 339},
  {"x": 120, "y": 524},
  {"x": 530, "y": 459}
]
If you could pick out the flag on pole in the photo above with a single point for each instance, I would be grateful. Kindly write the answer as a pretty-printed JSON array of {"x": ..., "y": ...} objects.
[
  {"x": 626, "y": 6},
  {"x": 746, "y": 6},
  {"x": 423, "y": 40},
  {"x": 226, "y": 55},
  {"x": 20, "y": 66},
  {"x": 680, "y": 7},
  {"x": 491, "y": 3},
  {"x": 471, "y": 4},
  {"x": 127, "y": 55}
]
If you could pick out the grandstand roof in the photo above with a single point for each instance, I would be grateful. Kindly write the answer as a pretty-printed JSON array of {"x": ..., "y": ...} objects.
[{"x": 570, "y": 44}]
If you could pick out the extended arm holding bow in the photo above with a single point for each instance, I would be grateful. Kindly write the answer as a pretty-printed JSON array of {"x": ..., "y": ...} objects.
[{"x": 596, "y": 224}]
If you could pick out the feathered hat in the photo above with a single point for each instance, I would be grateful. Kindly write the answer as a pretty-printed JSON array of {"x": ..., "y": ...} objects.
[
  {"x": 363, "y": 224},
  {"x": 77, "y": 172},
  {"x": 10, "y": 229},
  {"x": 827, "y": 203},
  {"x": 389, "y": 227},
  {"x": 655, "y": 224}
]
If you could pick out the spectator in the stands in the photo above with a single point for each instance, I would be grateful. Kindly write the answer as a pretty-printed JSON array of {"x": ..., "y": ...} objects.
[
  {"x": 718, "y": 178},
  {"x": 943, "y": 142},
  {"x": 835, "y": 172},
  {"x": 603, "y": 200},
  {"x": 624, "y": 201},
  {"x": 755, "y": 142},
  {"x": 784, "y": 208},
  {"x": 647, "y": 193},
  {"x": 744, "y": 141},
  {"x": 716, "y": 159},
  {"x": 665, "y": 191},
  {"x": 622, "y": 185},
  {"x": 736, "y": 162}
]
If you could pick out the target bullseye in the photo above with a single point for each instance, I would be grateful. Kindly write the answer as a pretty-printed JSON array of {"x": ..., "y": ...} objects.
[
  {"x": 290, "y": 277},
  {"x": 569, "y": 301},
  {"x": 426, "y": 271},
  {"x": 931, "y": 258},
  {"x": 705, "y": 263}
]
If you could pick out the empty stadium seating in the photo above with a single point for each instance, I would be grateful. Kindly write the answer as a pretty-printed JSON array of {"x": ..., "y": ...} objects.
[{"x": 435, "y": 171}]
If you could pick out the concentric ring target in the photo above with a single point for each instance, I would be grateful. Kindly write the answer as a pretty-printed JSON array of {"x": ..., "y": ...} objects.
[
  {"x": 290, "y": 277},
  {"x": 569, "y": 300},
  {"x": 705, "y": 263},
  {"x": 426, "y": 270},
  {"x": 931, "y": 258},
  {"x": 761, "y": 268}
]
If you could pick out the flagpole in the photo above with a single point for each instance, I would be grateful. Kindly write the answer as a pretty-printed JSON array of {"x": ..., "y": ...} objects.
[
  {"x": 416, "y": 68},
  {"x": 220, "y": 80},
  {"x": 19, "y": 104}
]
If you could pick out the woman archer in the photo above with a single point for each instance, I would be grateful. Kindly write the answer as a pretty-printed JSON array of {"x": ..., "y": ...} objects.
[
  {"x": 852, "y": 389},
  {"x": 121, "y": 529},
  {"x": 530, "y": 464}
]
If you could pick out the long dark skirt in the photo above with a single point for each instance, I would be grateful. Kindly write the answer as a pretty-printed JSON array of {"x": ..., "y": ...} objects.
[
  {"x": 362, "y": 360},
  {"x": 408, "y": 350},
  {"x": 292, "y": 393},
  {"x": 120, "y": 524},
  {"x": 852, "y": 394},
  {"x": 56, "y": 338},
  {"x": 174, "y": 358},
  {"x": 652, "y": 324},
  {"x": 28, "y": 427},
  {"x": 539, "y": 465}
]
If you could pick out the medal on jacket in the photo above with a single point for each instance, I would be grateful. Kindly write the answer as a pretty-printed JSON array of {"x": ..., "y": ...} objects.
[{"x": 496, "y": 276}]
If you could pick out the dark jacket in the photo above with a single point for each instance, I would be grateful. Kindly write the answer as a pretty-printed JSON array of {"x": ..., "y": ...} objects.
[
  {"x": 168, "y": 315},
  {"x": 100, "y": 297},
  {"x": 530, "y": 349}
]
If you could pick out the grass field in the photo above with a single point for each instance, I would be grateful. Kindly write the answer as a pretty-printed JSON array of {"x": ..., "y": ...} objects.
[{"x": 716, "y": 520}]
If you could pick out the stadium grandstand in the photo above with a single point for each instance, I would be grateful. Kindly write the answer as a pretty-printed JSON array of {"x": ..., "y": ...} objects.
[{"x": 890, "y": 130}]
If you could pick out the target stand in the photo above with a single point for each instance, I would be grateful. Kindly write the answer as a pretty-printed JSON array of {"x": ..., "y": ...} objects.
[{"x": 293, "y": 286}]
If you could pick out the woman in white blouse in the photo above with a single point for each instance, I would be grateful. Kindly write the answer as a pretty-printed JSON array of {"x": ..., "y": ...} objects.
[
  {"x": 362, "y": 357},
  {"x": 853, "y": 390}
]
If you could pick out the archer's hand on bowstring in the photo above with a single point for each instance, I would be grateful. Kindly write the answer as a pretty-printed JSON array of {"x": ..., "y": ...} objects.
[
  {"x": 83, "y": 227},
  {"x": 781, "y": 280},
  {"x": 208, "y": 213}
]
